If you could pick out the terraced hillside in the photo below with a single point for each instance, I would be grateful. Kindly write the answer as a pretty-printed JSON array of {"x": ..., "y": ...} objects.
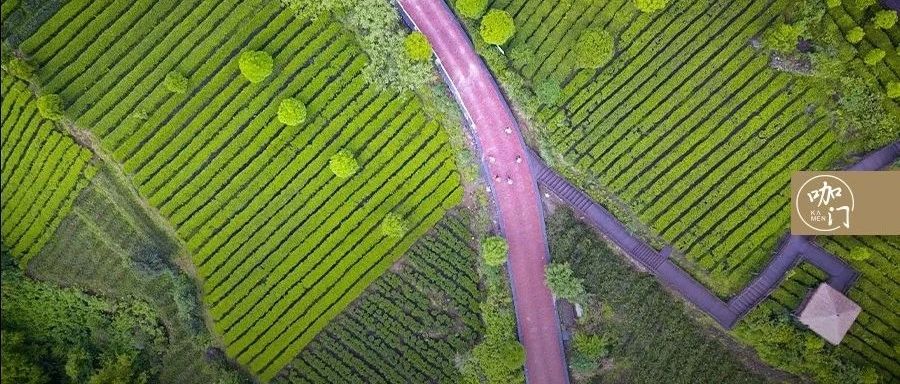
[
  {"x": 688, "y": 124},
  {"x": 410, "y": 325},
  {"x": 42, "y": 171},
  {"x": 282, "y": 244}
]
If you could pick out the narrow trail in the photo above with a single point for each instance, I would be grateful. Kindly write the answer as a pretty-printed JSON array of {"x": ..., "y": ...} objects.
[
  {"x": 793, "y": 249},
  {"x": 504, "y": 159}
]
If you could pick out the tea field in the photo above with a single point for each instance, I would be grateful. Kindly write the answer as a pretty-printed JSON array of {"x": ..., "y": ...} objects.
[
  {"x": 42, "y": 171},
  {"x": 282, "y": 244},
  {"x": 409, "y": 325},
  {"x": 688, "y": 123}
]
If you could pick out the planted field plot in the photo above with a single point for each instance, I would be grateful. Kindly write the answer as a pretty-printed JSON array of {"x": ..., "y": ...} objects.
[
  {"x": 283, "y": 244},
  {"x": 409, "y": 326},
  {"x": 42, "y": 171},
  {"x": 687, "y": 123}
]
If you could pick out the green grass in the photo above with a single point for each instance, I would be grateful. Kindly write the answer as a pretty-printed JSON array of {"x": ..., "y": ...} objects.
[
  {"x": 43, "y": 169},
  {"x": 874, "y": 337},
  {"x": 688, "y": 124},
  {"x": 278, "y": 240},
  {"x": 655, "y": 337},
  {"x": 409, "y": 325}
]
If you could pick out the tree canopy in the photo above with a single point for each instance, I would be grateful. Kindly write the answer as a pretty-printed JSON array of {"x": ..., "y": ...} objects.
[
  {"x": 885, "y": 19},
  {"x": 291, "y": 112},
  {"x": 417, "y": 46},
  {"x": 782, "y": 37},
  {"x": 494, "y": 250},
  {"x": 855, "y": 34},
  {"x": 175, "y": 82},
  {"x": 343, "y": 164},
  {"x": 593, "y": 49},
  {"x": 255, "y": 65},
  {"x": 471, "y": 8},
  {"x": 874, "y": 56},
  {"x": 20, "y": 68},
  {"x": 497, "y": 27},
  {"x": 394, "y": 225},
  {"x": 50, "y": 106},
  {"x": 562, "y": 281}
]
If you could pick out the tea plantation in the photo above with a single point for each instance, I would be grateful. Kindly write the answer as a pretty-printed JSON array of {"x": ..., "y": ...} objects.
[{"x": 281, "y": 243}]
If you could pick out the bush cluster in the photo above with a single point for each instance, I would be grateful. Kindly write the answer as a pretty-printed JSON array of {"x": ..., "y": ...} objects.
[
  {"x": 471, "y": 8},
  {"x": 593, "y": 49},
  {"x": 394, "y": 226},
  {"x": 562, "y": 282},
  {"x": 291, "y": 112},
  {"x": 343, "y": 164},
  {"x": 497, "y": 27},
  {"x": 494, "y": 250},
  {"x": 417, "y": 46},
  {"x": 175, "y": 82},
  {"x": 885, "y": 19},
  {"x": 20, "y": 68},
  {"x": 50, "y": 106}
]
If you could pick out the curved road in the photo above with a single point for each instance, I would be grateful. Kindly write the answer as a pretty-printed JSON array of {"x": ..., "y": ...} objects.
[{"x": 504, "y": 160}]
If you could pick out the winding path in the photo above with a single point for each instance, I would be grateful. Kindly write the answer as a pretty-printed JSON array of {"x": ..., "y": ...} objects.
[
  {"x": 793, "y": 249},
  {"x": 515, "y": 190}
]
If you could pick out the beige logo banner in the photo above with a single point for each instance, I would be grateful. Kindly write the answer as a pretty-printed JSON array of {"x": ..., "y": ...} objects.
[{"x": 845, "y": 203}]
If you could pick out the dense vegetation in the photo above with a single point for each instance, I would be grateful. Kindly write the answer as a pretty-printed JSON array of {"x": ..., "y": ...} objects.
[
  {"x": 695, "y": 124},
  {"x": 43, "y": 169},
  {"x": 650, "y": 337},
  {"x": 276, "y": 237},
  {"x": 410, "y": 324}
]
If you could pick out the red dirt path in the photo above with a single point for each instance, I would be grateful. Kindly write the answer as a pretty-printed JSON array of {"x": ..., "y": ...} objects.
[{"x": 519, "y": 203}]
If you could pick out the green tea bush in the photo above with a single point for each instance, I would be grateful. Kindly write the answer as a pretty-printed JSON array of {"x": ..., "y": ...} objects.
[
  {"x": 471, "y": 8},
  {"x": 494, "y": 250},
  {"x": 856, "y": 34},
  {"x": 255, "y": 65},
  {"x": 885, "y": 19},
  {"x": 50, "y": 106},
  {"x": 20, "y": 68},
  {"x": 394, "y": 225},
  {"x": 497, "y": 27},
  {"x": 343, "y": 164},
  {"x": 874, "y": 56},
  {"x": 417, "y": 46},
  {"x": 649, "y": 6},
  {"x": 291, "y": 112},
  {"x": 593, "y": 49},
  {"x": 175, "y": 82}
]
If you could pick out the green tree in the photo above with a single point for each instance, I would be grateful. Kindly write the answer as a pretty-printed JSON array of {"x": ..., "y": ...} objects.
[
  {"x": 471, "y": 8},
  {"x": 592, "y": 346},
  {"x": 50, "y": 106},
  {"x": 893, "y": 89},
  {"x": 562, "y": 281},
  {"x": 782, "y": 38},
  {"x": 291, "y": 112},
  {"x": 175, "y": 82},
  {"x": 119, "y": 370},
  {"x": 650, "y": 6},
  {"x": 885, "y": 19},
  {"x": 417, "y": 46},
  {"x": 855, "y": 34},
  {"x": 874, "y": 56},
  {"x": 510, "y": 354},
  {"x": 20, "y": 68},
  {"x": 343, "y": 164},
  {"x": 494, "y": 250},
  {"x": 593, "y": 49},
  {"x": 548, "y": 91},
  {"x": 394, "y": 226},
  {"x": 497, "y": 27},
  {"x": 255, "y": 65},
  {"x": 78, "y": 365},
  {"x": 19, "y": 365},
  {"x": 860, "y": 254}
]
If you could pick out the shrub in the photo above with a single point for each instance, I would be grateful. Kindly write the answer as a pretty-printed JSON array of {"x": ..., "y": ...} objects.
[
  {"x": 582, "y": 365},
  {"x": 394, "y": 225},
  {"x": 860, "y": 254},
  {"x": 343, "y": 164},
  {"x": 885, "y": 19},
  {"x": 255, "y": 65},
  {"x": 494, "y": 250},
  {"x": 593, "y": 49},
  {"x": 893, "y": 89},
  {"x": 175, "y": 82},
  {"x": 874, "y": 56},
  {"x": 782, "y": 38},
  {"x": 471, "y": 8},
  {"x": 50, "y": 106},
  {"x": 562, "y": 281},
  {"x": 548, "y": 91},
  {"x": 497, "y": 27},
  {"x": 417, "y": 46},
  {"x": 591, "y": 346},
  {"x": 510, "y": 354},
  {"x": 291, "y": 112},
  {"x": 20, "y": 68},
  {"x": 855, "y": 35},
  {"x": 649, "y": 6}
]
